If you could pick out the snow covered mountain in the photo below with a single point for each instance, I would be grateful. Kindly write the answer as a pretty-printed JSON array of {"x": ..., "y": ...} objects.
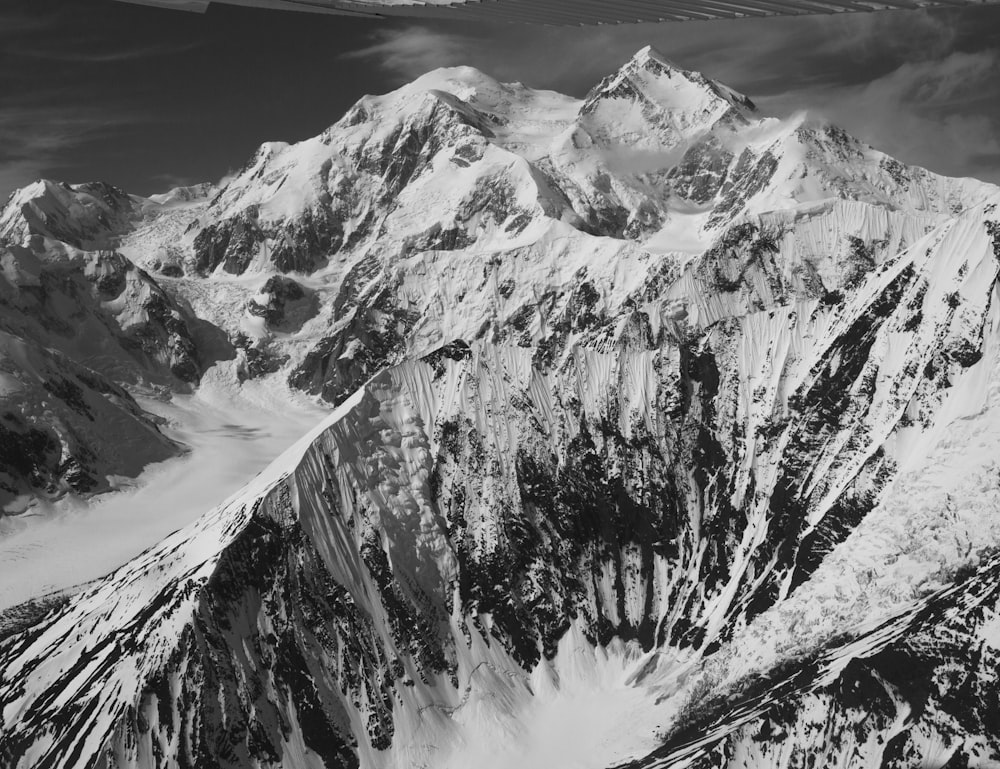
[
  {"x": 665, "y": 434},
  {"x": 77, "y": 322}
]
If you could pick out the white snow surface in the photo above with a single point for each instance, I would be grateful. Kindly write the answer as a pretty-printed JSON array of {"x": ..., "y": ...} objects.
[{"x": 230, "y": 435}]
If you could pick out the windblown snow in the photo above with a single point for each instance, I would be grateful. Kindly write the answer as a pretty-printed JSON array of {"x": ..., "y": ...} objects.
[{"x": 656, "y": 432}]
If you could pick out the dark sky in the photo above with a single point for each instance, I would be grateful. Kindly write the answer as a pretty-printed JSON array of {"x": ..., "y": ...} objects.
[{"x": 148, "y": 99}]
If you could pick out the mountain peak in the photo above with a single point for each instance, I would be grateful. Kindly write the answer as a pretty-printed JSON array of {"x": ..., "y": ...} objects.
[
  {"x": 88, "y": 215},
  {"x": 648, "y": 54},
  {"x": 670, "y": 100},
  {"x": 657, "y": 63}
]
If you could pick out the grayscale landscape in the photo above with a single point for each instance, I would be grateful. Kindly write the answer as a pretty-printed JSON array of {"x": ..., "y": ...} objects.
[{"x": 495, "y": 427}]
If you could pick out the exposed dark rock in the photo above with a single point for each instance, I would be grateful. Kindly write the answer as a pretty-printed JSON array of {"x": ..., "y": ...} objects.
[
  {"x": 232, "y": 243},
  {"x": 283, "y": 303}
]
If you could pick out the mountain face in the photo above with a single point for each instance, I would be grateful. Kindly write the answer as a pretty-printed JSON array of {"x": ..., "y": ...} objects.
[
  {"x": 78, "y": 321},
  {"x": 663, "y": 434}
]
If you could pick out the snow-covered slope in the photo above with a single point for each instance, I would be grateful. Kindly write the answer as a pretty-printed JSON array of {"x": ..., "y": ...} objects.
[
  {"x": 80, "y": 321},
  {"x": 919, "y": 689},
  {"x": 462, "y": 207},
  {"x": 65, "y": 428},
  {"x": 89, "y": 216},
  {"x": 653, "y": 415}
]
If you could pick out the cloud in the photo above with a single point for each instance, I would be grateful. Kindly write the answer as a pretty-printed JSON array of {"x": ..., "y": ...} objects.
[
  {"x": 743, "y": 52},
  {"x": 126, "y": 53},
  {"x": 15, "y": 21},
  {"x": 169, "y": 181},
  {"x": 861, "y": 70},
  {"x": 930, "y": 112},
  {"x": 567, "y": 59},
  {"x": 39, "y": 31},
  {"x": 35, "y": 139},
  {"x": 920, "y": 35},
  {"x": 409, "y": 52},
  {"x": 44, "y": 126},
  {"x": 897, "y": 80}
]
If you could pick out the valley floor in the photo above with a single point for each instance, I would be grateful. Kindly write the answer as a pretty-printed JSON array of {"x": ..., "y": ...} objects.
[{"x": 233, "y": 432}]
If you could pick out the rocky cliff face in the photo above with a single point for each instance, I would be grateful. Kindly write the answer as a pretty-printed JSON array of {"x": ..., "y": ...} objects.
[
  {"x": 99, "y": 323},
  {"x": 653, "y": 419},
  {"x": 919, "y": 689},
  {"x": 64, "y": 428}
]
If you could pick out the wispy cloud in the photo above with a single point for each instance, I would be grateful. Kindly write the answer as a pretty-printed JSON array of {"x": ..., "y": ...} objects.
[
  {"x": 408, "y": 52},
  {"x": 538, "y": 56},
  {"x": 169, "y": 181},
  {"x": 125, "y": 53},
  {"x": 926, "y": 112},
  {"x": 114, "y": 90},
  {"x": 765, "y": 52},
  {"x": 36, "y": 139},
  {"x": 43, "y": 128},
  {"x": 16, "y": 21},
  {"x": 27, "y": 32},
  {"x": 894, "y": 79}
]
